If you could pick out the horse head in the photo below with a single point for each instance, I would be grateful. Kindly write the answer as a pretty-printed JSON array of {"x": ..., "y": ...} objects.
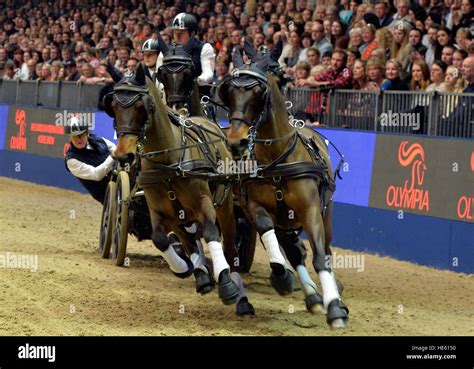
[
  {"x": 132, "y": 108},
  {"x": 177, "y": 74},
  {"x": 247, "y": 95}
]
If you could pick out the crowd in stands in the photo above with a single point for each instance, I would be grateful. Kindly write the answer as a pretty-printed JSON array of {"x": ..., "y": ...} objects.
[{"x": 419, "y": 45}]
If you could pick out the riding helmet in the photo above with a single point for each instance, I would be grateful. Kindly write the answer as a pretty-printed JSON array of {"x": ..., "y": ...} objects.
[
  {"x": 185, "y": 21},
  {"x": 75, "y": 128},
  {"x": 151, "y": 45}
]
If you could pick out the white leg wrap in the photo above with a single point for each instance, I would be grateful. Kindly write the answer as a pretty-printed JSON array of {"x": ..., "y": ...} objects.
[
  {"x": 328, "y": 284},
  {"x": 176, "y": 264},
  {"x": 218, "y": 259},
  {"x": 270, "y": 241},
  {"x": 309, "y": 287}
]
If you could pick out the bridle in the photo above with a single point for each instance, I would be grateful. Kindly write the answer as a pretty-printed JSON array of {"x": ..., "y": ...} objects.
[
  {"x": 126, "y": 94},
  {"x": 174, "y": 64}
]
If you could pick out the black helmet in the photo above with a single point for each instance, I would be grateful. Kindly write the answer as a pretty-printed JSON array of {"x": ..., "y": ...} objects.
[
  {"x": 185, "y": 21},
  {"x": 75, "y": 128},
  {"x": 151, "y": 45}
]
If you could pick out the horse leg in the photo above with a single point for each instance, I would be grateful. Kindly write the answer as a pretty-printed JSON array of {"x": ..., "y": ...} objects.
[
  {"x": 228, "y": 228},
  {"x": 281, "y": 278},
  {"x": 327, "y": 219},
  {"x": 296, "y": 254},
  {"x": 227, "y": 289},
  {"x": 204, "y": 281},
  {"x": 337, "y": 312},
  {"x": 177, "y": 260}
]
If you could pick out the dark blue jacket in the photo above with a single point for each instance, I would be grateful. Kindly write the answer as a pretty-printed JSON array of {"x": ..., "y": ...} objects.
[{"x": 94, "y": 157}]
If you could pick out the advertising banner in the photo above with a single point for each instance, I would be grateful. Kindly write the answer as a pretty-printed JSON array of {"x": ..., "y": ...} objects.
[
  {"x": 42, "y": 131},
  {"x": 427, "y": 176}
]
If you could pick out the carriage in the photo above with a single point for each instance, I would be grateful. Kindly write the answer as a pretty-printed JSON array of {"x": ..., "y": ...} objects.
[{"x": 125, "y": 211}]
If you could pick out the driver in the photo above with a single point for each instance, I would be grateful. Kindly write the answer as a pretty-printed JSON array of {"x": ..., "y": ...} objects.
[
  {"x": 184, "y": 28},
  {"x": 89, "y": 159}
]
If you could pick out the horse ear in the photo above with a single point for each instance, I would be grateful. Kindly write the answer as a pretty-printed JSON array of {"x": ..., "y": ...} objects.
[
  {"x": 163, "y": 46},
  {"x": 140, "y": 75},
  {"x": 237, "y": 58},
  {"x": 248, "y": 48},
  {"x": 277, "y": 50}
]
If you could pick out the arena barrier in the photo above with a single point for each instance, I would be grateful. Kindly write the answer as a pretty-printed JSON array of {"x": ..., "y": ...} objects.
[
  {"x": 407, "y": 112},
  {"x": 410, "y": 197}
]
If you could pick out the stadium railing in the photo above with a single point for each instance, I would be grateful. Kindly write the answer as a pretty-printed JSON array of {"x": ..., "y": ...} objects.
[{"x": 413, "y": 112}]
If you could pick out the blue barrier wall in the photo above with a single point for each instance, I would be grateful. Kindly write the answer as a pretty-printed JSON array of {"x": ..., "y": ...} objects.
[{"x": 427, "y": 240}]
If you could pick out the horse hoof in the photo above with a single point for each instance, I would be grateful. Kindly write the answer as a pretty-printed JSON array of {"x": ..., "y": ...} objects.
[
  {"x": 314, "y": 304},
  {"x": 281, "y": 279},
  {"x": 338, "y": 314},
  {"x": 338, "y": 323},
  {"x": 340, "y": 286},
  {"x": 204, "y": 281},
  {"x": 244, "y": 307},
  {"x": 228, "y": 290}
]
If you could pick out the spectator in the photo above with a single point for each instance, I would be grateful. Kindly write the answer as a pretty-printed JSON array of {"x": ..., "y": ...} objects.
[
  {"x": 467, "y": 71},
  {"x": 55, "y": 70},
  {"x": 463, "y": 38},
  {"x": 395, "y": 81},
  {"x": 302, "y": 72},
  {"x": 71, "y": 71},
  {"x": 31, "y": 64},
  {"x": 338, "y": 31},
  {"x": 382, "y": 13},
  {"x": 317, "y": 34},
  {"x": 132, "y": 65},
  {"x": 337, "y": 76},
  {"x": 355, "y": 36},
  {"x": 430, "y": 40},
  {"x": 9, "y": 73},
  {"x": 290, "y": 54},
  {"x": 306, "y": 44},
  {"x": 370, "y": 44},
  {"x": 46, "y": 72},
  {"x": 361, "y": 79},
  {"x": 352, "y": 55},
  {"x": 326, "y": 60},
  {"x": 437, "y": 74},
  {"x": 458, "y": 57},
  {"x": 420, "y": 79},
  {"x": 447, "y": 54},
  {"x": 376, "y": 72}
]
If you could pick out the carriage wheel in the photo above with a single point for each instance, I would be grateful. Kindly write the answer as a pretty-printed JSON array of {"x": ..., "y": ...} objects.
[
  {"x": 121, "y": 221},
  {"x": 107, "y": 222},
  {"x": 246, "y": 239}
]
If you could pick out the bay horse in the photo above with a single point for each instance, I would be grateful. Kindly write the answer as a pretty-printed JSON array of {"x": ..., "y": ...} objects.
[
  {"x": 295, "y": 181},
  {"x": 176, "y": 156}
]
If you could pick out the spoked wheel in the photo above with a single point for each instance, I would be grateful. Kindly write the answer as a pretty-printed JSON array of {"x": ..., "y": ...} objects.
[
  {"x": 107, "y": 222},
  {"x": 246, "y": 239},
  {"x": 120, "y": 238}
]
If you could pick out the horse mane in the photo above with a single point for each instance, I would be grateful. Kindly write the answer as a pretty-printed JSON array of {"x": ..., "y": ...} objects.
[
  {"x": 276, "y": 97},
  {"x": 161, "y": 108}
]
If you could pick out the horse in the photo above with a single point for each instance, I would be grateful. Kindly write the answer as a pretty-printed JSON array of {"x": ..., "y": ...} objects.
[
  {"x": 295, "y": 182},
  {"x": 176, "y": 157},
  {"x": 177, "y": 74}
]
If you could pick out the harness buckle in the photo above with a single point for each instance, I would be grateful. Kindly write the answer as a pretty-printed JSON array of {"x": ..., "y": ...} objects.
[
  {"x": 267, "y": 142},
  {"x": 279, "y": 195},
  {"x": 171, "y": 195},
  {"x": 277, "y": 179}
]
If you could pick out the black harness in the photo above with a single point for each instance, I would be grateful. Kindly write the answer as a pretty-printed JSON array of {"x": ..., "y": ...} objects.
[{"x": 277, "y": 172}]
